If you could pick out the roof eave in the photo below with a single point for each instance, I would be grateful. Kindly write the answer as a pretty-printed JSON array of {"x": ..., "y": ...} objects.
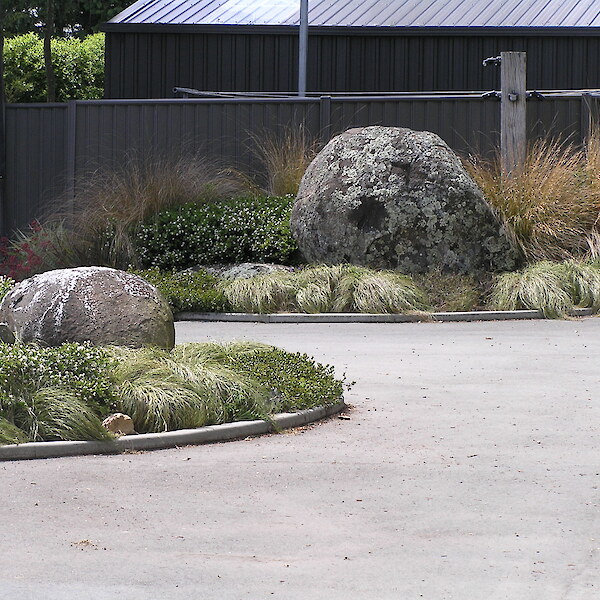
[{"x": 339, "y": 30}]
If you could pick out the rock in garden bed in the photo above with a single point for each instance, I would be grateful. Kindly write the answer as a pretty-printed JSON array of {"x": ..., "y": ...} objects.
[
  {"x": 97, "y": 304},
  {"x": 388, "y": 197},
  {"x": 243, "y": 270}
]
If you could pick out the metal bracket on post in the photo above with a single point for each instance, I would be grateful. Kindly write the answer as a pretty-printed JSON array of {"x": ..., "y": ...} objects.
[{"x": 492, "y": 60}]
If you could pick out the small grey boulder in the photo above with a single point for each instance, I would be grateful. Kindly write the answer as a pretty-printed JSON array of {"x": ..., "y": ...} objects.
[
  {"x": 97, "y": 304},
  {"x": 245, "y": 270},
  {"x": 389, "y": 197}
]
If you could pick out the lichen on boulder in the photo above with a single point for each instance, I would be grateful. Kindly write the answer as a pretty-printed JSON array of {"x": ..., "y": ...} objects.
[
  {"x": 96, "y": 304},
  {"x": 389, "y": 197}
]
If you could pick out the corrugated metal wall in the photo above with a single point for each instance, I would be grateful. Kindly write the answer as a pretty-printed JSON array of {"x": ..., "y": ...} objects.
[
  {"x": 51, "y": 147},
  {"x": 149, "y": 65}
]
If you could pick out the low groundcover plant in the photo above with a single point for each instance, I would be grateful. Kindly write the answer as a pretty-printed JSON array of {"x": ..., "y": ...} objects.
[{"x": 63, "y": 393}]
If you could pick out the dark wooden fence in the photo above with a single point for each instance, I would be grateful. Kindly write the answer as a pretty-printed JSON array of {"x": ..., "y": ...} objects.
[{"x": 50, "y": 147}]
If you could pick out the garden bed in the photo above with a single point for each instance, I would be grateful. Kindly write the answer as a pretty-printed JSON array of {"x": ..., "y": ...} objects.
[{"x": 62, "y": 394}]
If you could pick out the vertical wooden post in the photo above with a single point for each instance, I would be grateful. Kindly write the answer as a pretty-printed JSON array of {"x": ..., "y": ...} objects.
[{"x": 513, "y": 110}]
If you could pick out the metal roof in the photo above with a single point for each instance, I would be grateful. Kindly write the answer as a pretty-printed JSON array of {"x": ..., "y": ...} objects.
[{"x": 367, "y": 13}]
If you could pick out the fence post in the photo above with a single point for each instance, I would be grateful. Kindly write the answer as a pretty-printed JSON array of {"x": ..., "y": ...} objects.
[
  {"x": 513, "y": 124},
  {"x": 325, "y": 118},
  {"x": 71, "y": 154}
]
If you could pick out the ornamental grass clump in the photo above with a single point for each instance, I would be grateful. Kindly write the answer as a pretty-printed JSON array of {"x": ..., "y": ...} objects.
[
  {"x": 285, "y": 156},
  {"x": 338, "y": 288},
  {"x": 450, "y": 292},
  {"x": 545, "y": 286},
  {"x": 554, "y": 288},
  {"x": 6, "y": 284},
  {"x": 164, "y": 392},
  {"x": 268, "y": 293},
  {"x": 550, "y": 204},
  {"x": 585, "y": 283}
]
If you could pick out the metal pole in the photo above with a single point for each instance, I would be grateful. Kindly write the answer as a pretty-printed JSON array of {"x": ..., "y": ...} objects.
[{"x": 303, "y": 48}]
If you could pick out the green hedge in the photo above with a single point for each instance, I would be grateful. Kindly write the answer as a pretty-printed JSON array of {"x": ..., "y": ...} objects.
[
  {"x": 229, "y": 231},
  {"x": 78, "y": 66}
]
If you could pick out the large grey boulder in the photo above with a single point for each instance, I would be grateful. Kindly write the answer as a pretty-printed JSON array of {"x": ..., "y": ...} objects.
[
  {"x": 389, "y": 197},
  {"x": 97, "y": 304}
]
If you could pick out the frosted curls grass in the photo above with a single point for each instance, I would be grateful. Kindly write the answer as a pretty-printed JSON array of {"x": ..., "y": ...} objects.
[
  {"x": 552, "y": 287},
  {"x": 340, "y": 288}
]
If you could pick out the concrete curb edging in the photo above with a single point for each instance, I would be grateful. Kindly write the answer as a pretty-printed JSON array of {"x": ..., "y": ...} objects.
[
  {"x": 483, "y": 315},
  {"x": 169, "y": 439}
]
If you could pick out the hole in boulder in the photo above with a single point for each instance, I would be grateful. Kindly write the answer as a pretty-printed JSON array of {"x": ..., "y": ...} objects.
[
  {"x": 401, "y": 170},
  {"x": 369, "y": 215}
]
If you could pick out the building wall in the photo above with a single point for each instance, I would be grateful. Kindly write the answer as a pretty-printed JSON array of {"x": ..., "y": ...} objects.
[{"x": 149, "y": 65}]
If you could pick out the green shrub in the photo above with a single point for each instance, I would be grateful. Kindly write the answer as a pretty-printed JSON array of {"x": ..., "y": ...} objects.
[
  {"x": 297, "y": 381},
  {"x": 188, "y": 291},
  {"x": 339, "y": 288},
  {"x": 44, "y": 390},
  {"x": 228, "y": 231},
  {"x": 78, "y": 66}
]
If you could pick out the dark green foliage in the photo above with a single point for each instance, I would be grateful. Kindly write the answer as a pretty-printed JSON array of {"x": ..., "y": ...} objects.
[
  {"x": 297, "y": 381},
  {"x": 228, "y": 231},
  {"x": 54, "y": 393},
  {"x": 78, "y": 66},
  {"x": 71, "y": 17},
  {"x": 197, "y": 291}
]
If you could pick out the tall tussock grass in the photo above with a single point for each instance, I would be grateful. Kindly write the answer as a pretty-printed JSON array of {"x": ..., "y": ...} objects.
[
  {"x": 550, "y": 204},
  {"x": 317, "y": 289},
  {"x": 98, "y": 226},
  {"x": 555, "y": 288},
  {"x": 285, "y": 156}
]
